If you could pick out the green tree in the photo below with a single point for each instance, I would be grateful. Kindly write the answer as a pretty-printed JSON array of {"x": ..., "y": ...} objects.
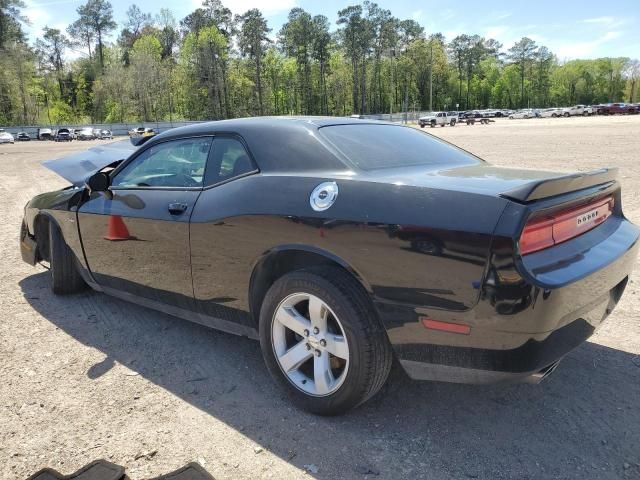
[
  {"x": 459, "y": 50},
  {"x": 357, "y": 35},
  {"x": 51, "y": 50},
  {"x": 204, "y": 59},
  {"x": 523, "y": 54},
  {"x": 10, "y": 21},
  {"x": 296, "y": 38},
  {"x": 97, "y": 15},
  {"x": 253, "y": 41}
]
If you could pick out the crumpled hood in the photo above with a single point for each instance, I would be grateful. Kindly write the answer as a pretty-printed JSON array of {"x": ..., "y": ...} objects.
[{"x": 79, "y": 166}]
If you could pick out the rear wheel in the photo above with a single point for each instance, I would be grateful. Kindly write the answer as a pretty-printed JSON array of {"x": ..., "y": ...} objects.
[
  {"x": 64, "y": 274},
  {"x": 322, "y": 341}
]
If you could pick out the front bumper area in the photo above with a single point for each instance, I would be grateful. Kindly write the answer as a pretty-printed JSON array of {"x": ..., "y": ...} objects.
[{"x": 28, "y": 246}]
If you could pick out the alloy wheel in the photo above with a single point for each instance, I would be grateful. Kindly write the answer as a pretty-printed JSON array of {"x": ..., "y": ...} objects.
[{"x": 310, "y": 344}]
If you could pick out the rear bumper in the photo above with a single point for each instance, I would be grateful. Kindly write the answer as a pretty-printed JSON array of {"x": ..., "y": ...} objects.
[
  {"x": 519, "y": 329},
  {"x": 446, "y": 373}
]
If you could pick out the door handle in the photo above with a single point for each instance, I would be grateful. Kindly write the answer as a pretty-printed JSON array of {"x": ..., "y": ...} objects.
[{"x": 177, "y": 208}]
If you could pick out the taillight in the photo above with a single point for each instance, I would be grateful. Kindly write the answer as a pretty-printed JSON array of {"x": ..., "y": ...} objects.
[{"x": 543, "y": 232}]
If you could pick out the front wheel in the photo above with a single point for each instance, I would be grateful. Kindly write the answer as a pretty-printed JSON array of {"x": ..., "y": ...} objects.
[
  {"x": 64, "y": 273},
  {"x": 322, "y": 341}
]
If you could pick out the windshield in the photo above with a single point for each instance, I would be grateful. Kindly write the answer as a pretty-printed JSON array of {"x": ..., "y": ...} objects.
[{"x": 372, "y": 146}]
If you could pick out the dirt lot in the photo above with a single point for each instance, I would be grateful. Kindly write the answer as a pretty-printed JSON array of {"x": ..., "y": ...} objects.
[{"x": 87, "y": 376}]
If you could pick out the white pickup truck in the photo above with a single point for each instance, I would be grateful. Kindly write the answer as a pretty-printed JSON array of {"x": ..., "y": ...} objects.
[
  {"x": 578, "y": 110},
  {"x": 438, "y": 118}
]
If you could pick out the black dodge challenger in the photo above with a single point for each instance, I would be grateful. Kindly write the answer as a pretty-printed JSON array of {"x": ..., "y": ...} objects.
[{"x": 342, "y": 244}]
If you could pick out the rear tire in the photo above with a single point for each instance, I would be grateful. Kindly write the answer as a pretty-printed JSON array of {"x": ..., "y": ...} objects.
[
  {"x": 349, "y": 321},
  {"x": 64, "y": 273}
]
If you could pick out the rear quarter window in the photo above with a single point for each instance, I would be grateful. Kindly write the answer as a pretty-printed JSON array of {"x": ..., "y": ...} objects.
[{"x": 371, "y": 147}]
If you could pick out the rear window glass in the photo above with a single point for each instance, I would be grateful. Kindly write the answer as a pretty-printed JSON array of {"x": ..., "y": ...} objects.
[{"x": 371, "y": 147}]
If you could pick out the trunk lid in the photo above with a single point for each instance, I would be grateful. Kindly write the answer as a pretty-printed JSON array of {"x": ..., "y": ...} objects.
[{"x": 517, "y": 184}]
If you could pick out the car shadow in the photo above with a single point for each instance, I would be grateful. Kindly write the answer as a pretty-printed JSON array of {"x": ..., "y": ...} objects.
[{"x": 582, "y": 422}]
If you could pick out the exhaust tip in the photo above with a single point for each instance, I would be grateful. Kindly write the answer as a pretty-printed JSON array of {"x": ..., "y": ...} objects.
[{"x": 537, "y": 377}]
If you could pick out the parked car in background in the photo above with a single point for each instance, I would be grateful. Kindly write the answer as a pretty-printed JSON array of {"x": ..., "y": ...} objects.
[
  {"x": 105, "y": 134},
  {"x": 470, "y": 114},
  {"x": 142, "y": 132},
  {"x": 45, "y": 134},
  {"x": 617, "y": 108},
  {"x": 490, "y": 113},
  {"x": 63, "y": 135},
  {"x": 22, "y": 137},
  {"x": 136, "y": 132},
  {"x": 438, "y": 118},
  {"x": 6, "y": 137},
  {"x": 577, "y": 110},
  {"x": 551, "y": 112},
  {"x": 85, "y": 134},
  {"x": 525, "y": 113}
]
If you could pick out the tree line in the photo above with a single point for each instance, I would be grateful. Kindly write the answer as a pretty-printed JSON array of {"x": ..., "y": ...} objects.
[{"x": 213, "y": 64}]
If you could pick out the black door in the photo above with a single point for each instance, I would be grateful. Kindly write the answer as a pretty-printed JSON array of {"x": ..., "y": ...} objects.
[{"x": 136, "y": 238}]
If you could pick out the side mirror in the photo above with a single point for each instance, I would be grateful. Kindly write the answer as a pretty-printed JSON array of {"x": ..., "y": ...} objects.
[{"x": 99, "y": 182}]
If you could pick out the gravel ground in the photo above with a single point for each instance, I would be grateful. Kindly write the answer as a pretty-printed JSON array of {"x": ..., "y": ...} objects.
[{"x": 88, "y": 376}]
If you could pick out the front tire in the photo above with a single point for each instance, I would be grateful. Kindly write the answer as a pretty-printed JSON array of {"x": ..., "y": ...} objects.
[
  {"x": 64, "y": 273},
  {"x": 322, "y": 341}
]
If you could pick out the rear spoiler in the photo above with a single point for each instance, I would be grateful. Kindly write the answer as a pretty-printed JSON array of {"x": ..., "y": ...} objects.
[{"x": 551, "y": 187}]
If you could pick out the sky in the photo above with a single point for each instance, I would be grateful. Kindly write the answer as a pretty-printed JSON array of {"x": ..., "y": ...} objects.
[{"x": 571, "y": 29}]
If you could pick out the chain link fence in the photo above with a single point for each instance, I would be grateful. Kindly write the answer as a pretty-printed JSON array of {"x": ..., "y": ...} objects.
[
  {"x": 123, "y": 128},
  {"x": 116, "y": 128}
]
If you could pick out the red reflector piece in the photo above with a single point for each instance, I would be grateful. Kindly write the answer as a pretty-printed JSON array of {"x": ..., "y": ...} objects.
[{"x": 445, "y": 326}]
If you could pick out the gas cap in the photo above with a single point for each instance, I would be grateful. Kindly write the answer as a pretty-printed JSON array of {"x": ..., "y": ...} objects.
[{"x": 323, "y": 196}]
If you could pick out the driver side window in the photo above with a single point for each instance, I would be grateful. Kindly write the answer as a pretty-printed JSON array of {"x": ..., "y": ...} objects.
[{"x": 178, "y": 163}]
